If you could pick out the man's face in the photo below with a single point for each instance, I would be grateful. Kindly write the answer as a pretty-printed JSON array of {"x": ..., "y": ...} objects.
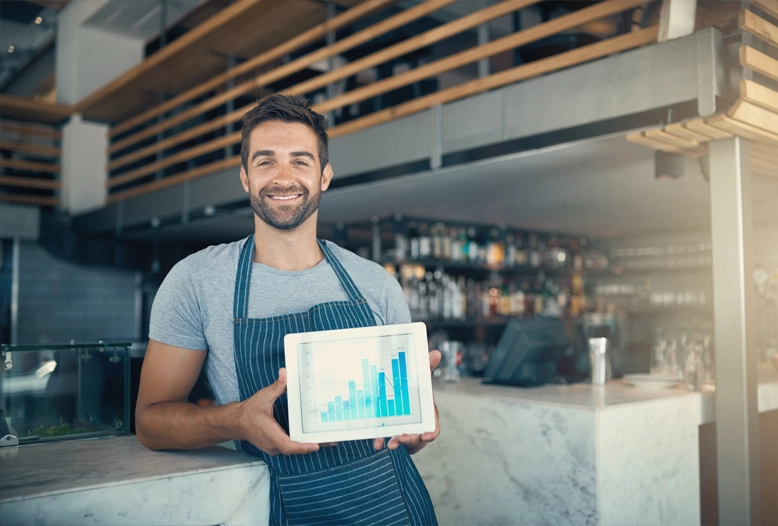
[{"x": 284, "y": 179}]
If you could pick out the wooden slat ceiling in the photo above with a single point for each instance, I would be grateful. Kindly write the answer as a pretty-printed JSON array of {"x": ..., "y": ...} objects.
[{"x": 262, "y": 26}]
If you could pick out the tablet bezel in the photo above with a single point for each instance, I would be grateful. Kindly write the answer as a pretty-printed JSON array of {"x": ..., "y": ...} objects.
[{"x": 293, "y": 383}]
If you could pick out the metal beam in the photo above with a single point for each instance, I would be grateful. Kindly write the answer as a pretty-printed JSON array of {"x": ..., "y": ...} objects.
[{"x": 737, "y": 422}]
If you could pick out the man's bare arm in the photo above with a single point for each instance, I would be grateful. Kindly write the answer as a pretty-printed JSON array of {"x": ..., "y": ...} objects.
[{"x": 164, "y": 419}]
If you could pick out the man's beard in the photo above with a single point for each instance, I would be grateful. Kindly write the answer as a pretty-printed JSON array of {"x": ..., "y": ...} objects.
[{"x": 284, "y": 217}]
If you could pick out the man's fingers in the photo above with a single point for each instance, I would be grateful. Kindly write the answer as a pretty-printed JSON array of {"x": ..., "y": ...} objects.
[
  {"x": 435, "y": 357},
  {"x": 278, "y": 387},
  {"x": 378, "y": 444}
]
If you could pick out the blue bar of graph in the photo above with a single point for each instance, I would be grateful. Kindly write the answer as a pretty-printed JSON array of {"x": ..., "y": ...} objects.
[
  {"x": 376, "y": 398},
  {"x": 352, "y": 399},
  {"x": 338, "y": 408},
  {"x": 331, "y": 411},
  {"x": 382, "y": 394},
  {"x": 367, "y": 388},
  {"x": 361, "y": 404},
  {"x": 397, "y": 384},
  {"x": 404, "y": 394},
  {"x": 391, "y": 408},
  {"x": 325, "y": 417},
  {"x": 346, "y": 410}
]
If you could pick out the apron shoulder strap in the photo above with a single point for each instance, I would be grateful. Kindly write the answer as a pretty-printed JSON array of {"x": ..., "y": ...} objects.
[{"x": 240, "y": 308}]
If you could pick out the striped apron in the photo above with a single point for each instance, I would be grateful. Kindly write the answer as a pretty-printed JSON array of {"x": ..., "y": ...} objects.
[{"x": 350, "y": 483}]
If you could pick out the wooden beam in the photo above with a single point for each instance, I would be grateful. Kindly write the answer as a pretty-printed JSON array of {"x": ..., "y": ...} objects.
[
  {"x": 759, "y": 62},
  {"x": 180, "y": 44},
  {"x": 760, "y": 95},
  {"x": 503, "y": 78},
  {"x": 640, "y": 139},
  {"x": 33, "y": 149},
  {"x": 526, "y": 36},
  {"x": 759, "y": 27},
  {"x": 305, "y": 38},
  {"x": 185, "y": 155},
  {"x": 680, "y": 142},
  {"x": 294, "y": 66},
  {"x": 12, "y": 102},
  {"x": 679, "y": 130},
  {"x": 29, "y": 182},
  {"x": 765, "y": 150},
  {"x": 768, "y": 6},
  {"x": 26, "y": 129},
  {"x": 700, "y": 126},
  {"x": 192, "y": 133},
  {"x": 173, "y": 180},
  {"x": 406, "y": 46},
  {"x": 380, "y": 57},
  {"x": 743, "y": 129},
  {"x": 30, "y": 199},
  {"x": 754, "y": 115},
  {"x": 29, "y": 165}
]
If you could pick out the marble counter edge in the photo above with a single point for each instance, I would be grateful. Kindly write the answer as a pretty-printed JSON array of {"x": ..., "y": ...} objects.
[{"x": 139, "y": 480}]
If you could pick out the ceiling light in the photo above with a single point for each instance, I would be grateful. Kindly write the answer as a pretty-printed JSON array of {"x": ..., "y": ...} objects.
[
  {"x": 38, "y": 20},
  {"x": 11, "y": 48}
]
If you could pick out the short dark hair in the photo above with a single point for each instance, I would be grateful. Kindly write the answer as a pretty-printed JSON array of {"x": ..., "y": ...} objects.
[{"x": 284, "y": 108}]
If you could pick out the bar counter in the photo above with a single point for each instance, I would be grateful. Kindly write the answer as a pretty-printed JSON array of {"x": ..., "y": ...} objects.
[
  {"x": 577, "y": 454},
  {"x": 117, "y": 481}
]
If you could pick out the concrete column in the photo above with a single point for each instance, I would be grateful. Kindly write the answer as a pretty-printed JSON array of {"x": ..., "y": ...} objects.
[
  {"x": 737, "y": 417},
  {"x": 88, "y": 58},
  {"x": 83, "y": 165}
]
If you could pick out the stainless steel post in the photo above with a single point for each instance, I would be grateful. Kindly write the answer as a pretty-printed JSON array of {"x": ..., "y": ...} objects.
[{"x": 737, "y": 423}]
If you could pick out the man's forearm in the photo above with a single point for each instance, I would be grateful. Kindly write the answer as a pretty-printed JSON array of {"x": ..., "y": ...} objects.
[{"x": 180, "y": 425}]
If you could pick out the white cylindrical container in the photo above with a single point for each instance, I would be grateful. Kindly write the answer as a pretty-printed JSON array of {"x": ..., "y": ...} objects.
[{"x": 600, "y": 360}]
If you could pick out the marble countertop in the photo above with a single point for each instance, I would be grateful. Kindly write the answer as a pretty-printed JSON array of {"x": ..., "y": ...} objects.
[
  {"x": 615, "y": 393},
  {"x": 61, "y": 467}
]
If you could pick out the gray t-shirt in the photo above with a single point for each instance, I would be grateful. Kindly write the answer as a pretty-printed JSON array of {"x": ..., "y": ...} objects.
[{"x": 193, "y": 307}]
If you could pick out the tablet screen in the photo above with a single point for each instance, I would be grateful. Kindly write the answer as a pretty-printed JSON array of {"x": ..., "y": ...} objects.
[{"x": 358, "y": 383}]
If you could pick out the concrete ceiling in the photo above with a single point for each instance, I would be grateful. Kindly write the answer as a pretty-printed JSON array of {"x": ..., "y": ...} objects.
[{"x": 603, "y": 187}]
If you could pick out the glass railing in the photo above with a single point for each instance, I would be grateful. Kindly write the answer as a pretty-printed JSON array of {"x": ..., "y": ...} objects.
[{"x": 59, "y": 392}]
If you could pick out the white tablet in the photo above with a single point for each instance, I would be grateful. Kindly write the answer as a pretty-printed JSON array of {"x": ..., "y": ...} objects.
[{"x": 352, "y": 384}]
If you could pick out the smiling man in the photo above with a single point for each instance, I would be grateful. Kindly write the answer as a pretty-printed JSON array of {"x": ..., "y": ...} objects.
[{"x": 228, "y": 308}]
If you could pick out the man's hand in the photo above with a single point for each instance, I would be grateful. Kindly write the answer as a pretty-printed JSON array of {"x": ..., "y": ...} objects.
[
  {"x": 415, "y": 443},
  {"x": 258, "y": 425}
]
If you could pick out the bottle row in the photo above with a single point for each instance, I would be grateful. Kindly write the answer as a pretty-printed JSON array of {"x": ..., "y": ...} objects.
[
  {"x": 441, "y": 296},
  {"x": 495, "y": 247}
]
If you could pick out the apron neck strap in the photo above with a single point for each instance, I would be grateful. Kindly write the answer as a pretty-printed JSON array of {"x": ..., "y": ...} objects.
[{"x": 243, "y": 277}]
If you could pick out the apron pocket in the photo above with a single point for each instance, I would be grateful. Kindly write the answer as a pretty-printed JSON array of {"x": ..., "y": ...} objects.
[{"x": 365, "y": 491}]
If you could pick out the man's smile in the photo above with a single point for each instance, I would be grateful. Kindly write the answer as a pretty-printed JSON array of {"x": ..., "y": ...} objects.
[{"x": 284, "y": 197}]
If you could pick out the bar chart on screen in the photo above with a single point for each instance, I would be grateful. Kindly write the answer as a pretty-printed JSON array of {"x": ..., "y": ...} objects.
[{"x": 362, "y": 380}]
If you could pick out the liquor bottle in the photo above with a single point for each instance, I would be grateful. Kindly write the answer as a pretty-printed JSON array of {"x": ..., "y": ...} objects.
[
  {"x": 472, "y": 246},
  {"x": 521, "y": 253},
  {"x": 437, "y": 243},
  {"x": 534, "y": 253},
  {"x": 456, "y": 246},
  {"x": 425, "y": 242},
  {"x": 510, "y": 251},
  {"x": 446, "y": 241}
]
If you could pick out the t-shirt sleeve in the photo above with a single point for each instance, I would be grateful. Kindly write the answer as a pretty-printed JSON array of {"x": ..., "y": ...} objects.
[
  {"x": 397, "y": 310},
  {"x": 176, "y": 318}
]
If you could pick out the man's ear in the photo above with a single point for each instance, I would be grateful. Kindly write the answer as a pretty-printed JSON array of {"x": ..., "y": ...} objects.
[
  {"x": 244, "y": 179},
  {"x": 326, "y": 177}
]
